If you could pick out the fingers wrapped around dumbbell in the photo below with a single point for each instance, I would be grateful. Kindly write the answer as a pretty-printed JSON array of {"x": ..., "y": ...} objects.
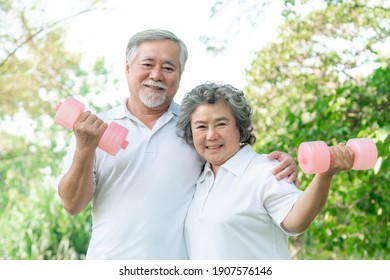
[
  {"x": 89, "y": 129},
  {"x": 341, "y": 158}
]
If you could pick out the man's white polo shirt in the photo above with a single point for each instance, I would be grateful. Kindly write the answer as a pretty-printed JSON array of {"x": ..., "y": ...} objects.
[
  {"x": 142, "y": 194},
  {"x": 237, "y": 214}
]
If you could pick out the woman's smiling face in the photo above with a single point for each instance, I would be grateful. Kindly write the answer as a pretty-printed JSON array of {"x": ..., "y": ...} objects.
[{"x": 215, "y": 133}]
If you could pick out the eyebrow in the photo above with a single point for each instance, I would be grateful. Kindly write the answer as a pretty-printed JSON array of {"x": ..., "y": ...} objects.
[
  {"x": 217, "y": 120},
  {"x": 170, "y": 62}
]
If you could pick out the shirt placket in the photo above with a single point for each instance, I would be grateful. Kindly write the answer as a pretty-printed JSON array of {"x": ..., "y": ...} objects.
[{"x": 210, "y": 180}]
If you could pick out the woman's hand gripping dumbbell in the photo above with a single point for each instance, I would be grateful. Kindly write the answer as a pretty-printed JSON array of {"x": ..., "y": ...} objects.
[
  {"x": 89, "y": 128},
  {"x": 315, "y": 157}
]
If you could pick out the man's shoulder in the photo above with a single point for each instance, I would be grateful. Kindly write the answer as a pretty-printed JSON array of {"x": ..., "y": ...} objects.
[
  {"x": 117, "y": 112},
  {"x": 174, "y": 108}
]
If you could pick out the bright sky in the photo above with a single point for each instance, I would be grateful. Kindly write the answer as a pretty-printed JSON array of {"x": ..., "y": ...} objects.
[{"x": 106, "y": 34}]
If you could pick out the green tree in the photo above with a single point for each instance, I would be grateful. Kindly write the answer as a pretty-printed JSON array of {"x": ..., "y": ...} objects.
[
  {"x": 36, "y": 71},
  {"x": 312, "y": 84}
]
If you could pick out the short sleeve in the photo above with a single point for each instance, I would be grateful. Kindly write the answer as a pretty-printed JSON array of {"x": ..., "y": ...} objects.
[{"x": 279, "y": 198}]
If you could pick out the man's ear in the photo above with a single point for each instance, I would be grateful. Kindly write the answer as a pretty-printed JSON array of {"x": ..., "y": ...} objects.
[{"x": 127, "y": 67}]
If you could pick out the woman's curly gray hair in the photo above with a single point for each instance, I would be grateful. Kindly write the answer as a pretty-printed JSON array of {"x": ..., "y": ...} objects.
[{"x": 210, "y": 93}]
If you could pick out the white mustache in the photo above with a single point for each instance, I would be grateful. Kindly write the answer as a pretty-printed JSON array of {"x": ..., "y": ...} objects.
[{"x": 154, "y": 84}]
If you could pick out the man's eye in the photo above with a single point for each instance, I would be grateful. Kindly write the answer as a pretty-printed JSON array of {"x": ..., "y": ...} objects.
[{"x": 169, "y": 69}]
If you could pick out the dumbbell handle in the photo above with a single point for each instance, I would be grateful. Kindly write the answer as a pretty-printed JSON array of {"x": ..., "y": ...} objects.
[
  {"x": 314, "y": 157},
  {"x": 113, "y": 138}
]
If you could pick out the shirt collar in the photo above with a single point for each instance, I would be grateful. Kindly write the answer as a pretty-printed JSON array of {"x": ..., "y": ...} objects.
[
  {"x": 240, "y": 161},
  {"x": 235, "y": 165}
]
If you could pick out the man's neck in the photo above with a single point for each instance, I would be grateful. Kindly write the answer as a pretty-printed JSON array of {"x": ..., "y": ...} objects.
[{"x": 148, "y": 116}]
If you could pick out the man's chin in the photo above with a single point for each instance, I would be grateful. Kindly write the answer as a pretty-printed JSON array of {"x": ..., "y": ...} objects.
[
  {"x": 153, "y": 104},
  {"x": 154, "y": 101}
]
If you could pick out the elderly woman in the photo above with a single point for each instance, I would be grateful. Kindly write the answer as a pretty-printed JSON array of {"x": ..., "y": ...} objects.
[{"x": 239, "y": 209}]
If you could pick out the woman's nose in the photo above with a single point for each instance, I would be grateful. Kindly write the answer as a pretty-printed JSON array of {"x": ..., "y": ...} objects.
[{"x": 211, "y": 134}]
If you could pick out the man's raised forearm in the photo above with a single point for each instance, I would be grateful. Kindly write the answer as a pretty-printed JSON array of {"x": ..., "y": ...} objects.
[{"x": 76, "y": 187}]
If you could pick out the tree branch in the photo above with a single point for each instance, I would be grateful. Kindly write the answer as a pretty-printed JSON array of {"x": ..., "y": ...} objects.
[{"x": 47, "y": 27}]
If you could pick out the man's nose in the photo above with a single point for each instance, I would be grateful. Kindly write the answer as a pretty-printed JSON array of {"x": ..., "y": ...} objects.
[{"x": 156, "y": 74}]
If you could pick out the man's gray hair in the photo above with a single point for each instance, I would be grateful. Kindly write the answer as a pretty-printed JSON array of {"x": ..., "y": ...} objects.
[
  {"x": 152, "y": 35},
  {"x": 210, "y": 93}
]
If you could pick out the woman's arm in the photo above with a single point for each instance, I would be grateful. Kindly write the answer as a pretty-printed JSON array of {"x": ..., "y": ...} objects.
[{"x": 313, "y": 199}]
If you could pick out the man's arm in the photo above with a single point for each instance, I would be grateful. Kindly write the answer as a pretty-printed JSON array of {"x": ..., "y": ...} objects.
[
  {"x": 313, "y": 199},
  {"x": 287, "y": 167},
  {"x": 76, "y": 187}
]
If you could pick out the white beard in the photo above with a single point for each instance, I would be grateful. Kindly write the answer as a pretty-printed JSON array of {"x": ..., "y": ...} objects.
[{"x": 152, "y": 99}]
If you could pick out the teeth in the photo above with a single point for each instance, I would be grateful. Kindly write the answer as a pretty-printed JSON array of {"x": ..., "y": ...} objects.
[
  {"x": 160, "y": 86},
  {"x": 150, "y": 86},
  {"x": 213, "y": 147}
]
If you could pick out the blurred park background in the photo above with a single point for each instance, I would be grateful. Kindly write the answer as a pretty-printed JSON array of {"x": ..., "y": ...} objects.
[{"x": 324, "y": 76}]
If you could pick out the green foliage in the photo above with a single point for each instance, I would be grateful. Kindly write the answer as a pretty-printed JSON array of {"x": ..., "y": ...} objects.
[
  {"x": 305, "y": 87},
  {"x": 36, "y": 71},
  {"x": 37, "y": 228}
]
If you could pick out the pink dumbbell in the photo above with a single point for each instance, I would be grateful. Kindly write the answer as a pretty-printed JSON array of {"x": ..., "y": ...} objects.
[
  {"x": 314, "y": 157},
  {"x": 113, "y": 138}
]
